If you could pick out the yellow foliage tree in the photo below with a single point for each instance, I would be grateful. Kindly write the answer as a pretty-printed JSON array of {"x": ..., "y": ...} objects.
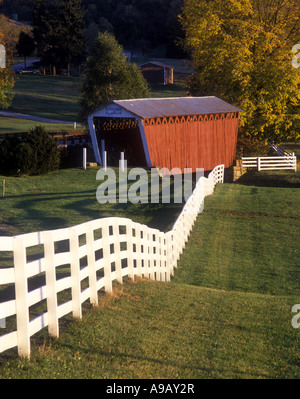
[
  {"x": 7, "y": 80},
  {"x": 242, "y": 51}
]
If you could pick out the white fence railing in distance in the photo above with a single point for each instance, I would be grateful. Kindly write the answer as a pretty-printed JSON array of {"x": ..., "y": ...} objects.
[
  {"x": 270, "y": 163},
  {"x": 280, "y": 151},
  {"x": 98, "y": 252}
]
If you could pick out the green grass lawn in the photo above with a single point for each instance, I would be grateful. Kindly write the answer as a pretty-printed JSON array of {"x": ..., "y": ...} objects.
[
  {"x": 15, "y": 125},
  {"x": 66, "y": 198},
  {"x": 226, "y": 313},
  {"x": 54, "y": 97}
]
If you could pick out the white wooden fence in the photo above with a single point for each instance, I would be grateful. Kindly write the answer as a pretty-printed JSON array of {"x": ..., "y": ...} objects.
[
  {"x": 280, "y": 151},
  {"x": 99, "y": 251},
  {"x": 271, "y": 163}
]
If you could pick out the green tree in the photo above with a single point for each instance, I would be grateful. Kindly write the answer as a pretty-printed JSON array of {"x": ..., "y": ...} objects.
[
  {"x": 58, "y": 32},
  {"x": 25, "y": 46},
  {"x": 242, "y": 53},
  {"x": 7, "y": 80},
  {"x": 38, "y": 154},
  {"x": 44, "y": 32},
  {"x": 45, "y": 152},
  {"x": 110, "y": 76},
  {"x": 71, "y": 38}
]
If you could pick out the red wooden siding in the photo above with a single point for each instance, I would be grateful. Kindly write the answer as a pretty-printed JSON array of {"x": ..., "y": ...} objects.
[{"x": 202, "y": 142}]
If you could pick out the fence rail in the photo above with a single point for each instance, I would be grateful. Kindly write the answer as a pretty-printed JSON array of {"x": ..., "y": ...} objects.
[
  {"x": 96, "y": 252},
  {"x": 280, "y": 151},
  {"x": 270, "y": 163}
]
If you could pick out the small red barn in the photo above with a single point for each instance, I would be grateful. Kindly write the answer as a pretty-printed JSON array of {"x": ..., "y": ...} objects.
[
  {"x": 187, "y": 132},
  {"x": 157, "y": 73}
]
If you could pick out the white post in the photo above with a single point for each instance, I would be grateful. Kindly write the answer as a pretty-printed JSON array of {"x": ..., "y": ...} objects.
[
  {"x": 138, "y": 252},
  {"x": 117, "y": 251},
  {"x": 22, "y": 308},
  {"x": 84, "y": 158},
  {"x": 153, "y": 257},
  {"x": 75, "y": 125},
  {"x": 169, "y": 255},
  {"x": 258, "y": 164},
  {"x": 103, "y": 153},
  {"x": 106, "y": 257},
  {"x": 75, "y": 273},
  {"x": 129, "y": 249},
  {"x": 105, "y": 160},
  {"x": 92, "y": 267},
  {"x": 49, "y": 250},
  {"x": 122, "y": 162}
]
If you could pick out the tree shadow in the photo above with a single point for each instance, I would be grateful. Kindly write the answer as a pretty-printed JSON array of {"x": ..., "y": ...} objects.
[{"x": 281, "y": 179}]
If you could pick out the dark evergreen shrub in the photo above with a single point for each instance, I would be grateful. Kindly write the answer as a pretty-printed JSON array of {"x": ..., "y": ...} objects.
[{"x": 37, "y": 155}]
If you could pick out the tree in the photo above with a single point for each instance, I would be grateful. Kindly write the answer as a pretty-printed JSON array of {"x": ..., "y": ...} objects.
[
  {"x": 46, "y": 155},
  {"x": 242, "y": 53},
  {"x": 71, "y": 39},
  {"x": 58, "y": 32},
  {"x": 25, "y": 46},
  {"x": 38, "y": 154},
  {"x": 44, "y": 17},
  {"x": 7, "y": 80},
  {"x": 110, "y": 76}
]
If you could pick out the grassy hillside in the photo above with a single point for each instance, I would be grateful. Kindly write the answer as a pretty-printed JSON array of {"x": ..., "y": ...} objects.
[
  {"x": 54, "y": 97},
  {"x": 161, "y": 330},
  {"x": 226, "y": 313}
]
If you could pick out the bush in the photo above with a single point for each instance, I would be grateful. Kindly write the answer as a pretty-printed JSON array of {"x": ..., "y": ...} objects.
[
  {"x": 39, "y": 154},
  {"x": 46, "y": 155},
  {"x": 251, "y": 147}
]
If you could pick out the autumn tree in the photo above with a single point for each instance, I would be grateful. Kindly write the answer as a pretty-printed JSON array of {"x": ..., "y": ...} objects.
[
  {"x": 242, "y": 53},
  {"x": 109, "y": 76},
  {"x": 6, "y": 78}
]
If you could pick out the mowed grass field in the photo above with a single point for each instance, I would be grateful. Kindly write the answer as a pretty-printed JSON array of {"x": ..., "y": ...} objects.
[
  {"x": 68, "y": 197},
  {"x": 226, "y": 313},
  {"x": 54, "y": 97}
]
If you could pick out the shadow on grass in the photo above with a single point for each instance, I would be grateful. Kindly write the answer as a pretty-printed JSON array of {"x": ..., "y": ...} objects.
[
  {"x": 283, "y": 179},
  {"x": 65, "y": 209}
]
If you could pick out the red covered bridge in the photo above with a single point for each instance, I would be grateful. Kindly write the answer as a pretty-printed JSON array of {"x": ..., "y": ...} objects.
[{"x": 187, "y": 132}]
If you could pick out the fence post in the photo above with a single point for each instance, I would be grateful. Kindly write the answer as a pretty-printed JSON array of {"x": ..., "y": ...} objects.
[
  {"x": 92, "y": 267},
  {"x": 258, "y": 164},
  {"x": 117, "y": 251},
  {"x": 151, "y": 238},
  {"x": 138, "y": 250},
  {"x": 106, "y": 257},
  {"x": 170, "y": 254},
  {"x": 145, "y": 254},
  {"x": 162, "y": 248},
  {"x": 122, "y": 163},
  {"x": 75, "y": 273},
  {"x": 129, "y": 226},
  {"x": 21, "y": 289},
  {"x": 166, "y": 260},
  {"x": 84, "y": 158},
  {"x": 105, "y": 160},
  {"x": 49, "y": 250}
]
